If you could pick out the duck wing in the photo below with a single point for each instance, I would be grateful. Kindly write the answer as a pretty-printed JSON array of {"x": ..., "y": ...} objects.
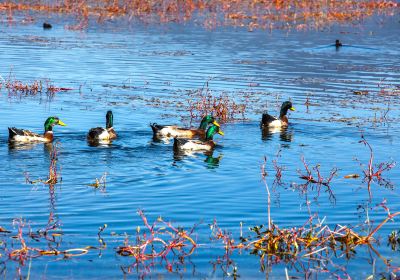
[
  {"x": 13, "y": 131},
  {"x": 95, "y": 133},
  {"x": 267, "y": 119},
  {"x": 172, "y": 131}
]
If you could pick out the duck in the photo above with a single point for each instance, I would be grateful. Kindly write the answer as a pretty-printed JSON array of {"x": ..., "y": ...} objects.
[
  {"x": 26, "y": 136},
  {"x": 271, "y": 121},
  {"x": 338, "y": 43},
  {"x": 180, "y": 132},
  {"x": 198, "y": 145},
  {"x": 101, "y": 133}
]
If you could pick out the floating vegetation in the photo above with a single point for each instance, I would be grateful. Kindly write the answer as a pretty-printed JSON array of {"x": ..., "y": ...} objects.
[
  {"x": 18, "y": 88},
  {"x": 374, "y": 172},
  {"x": 100, "y": 184},
  {"x": 222, "y": 106},
  {"x": 27, "y": 244},
  {"x": 252, "y": 14},
  {"x": 157, "y": 242}
]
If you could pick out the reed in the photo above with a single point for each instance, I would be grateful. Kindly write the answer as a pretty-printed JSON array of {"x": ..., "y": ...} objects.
[{"x": 251, "y": 14}]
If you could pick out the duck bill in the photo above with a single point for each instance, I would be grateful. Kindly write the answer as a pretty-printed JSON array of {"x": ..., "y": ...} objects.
[
  {"x": 216, "y": 123},
  {"x": 221, "y": 133},
  {"x": 61, "y": 123},
  {"x": 292, "y": 109}
]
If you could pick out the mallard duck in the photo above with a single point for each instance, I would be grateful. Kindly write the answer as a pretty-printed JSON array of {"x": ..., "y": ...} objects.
[
  {"x": 338, "y": 44},
  {"x": 198, "y": 145},
  {"x": 101, "y": 133},
  {"x": 22, "y": 135},
  {"x": 180, "y": 132},
  {"x": 270, "y": 121}
]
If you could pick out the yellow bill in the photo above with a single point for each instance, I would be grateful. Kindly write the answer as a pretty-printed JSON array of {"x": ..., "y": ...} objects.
[
  {"x": 292, "y": 109},
  {"x": 216, "y": 123},
  {"x": 221, "y": 133},
  {"x": 61, "y": 123}
]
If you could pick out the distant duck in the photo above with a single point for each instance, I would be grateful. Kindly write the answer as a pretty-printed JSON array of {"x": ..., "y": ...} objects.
[
  {"x": 198, "y": 145},
  {"x": 22, "y": 135},
  {"x": 180, "y": 132},
  {"x": 101, "y": 133},
  {"x": 282, "y": 121},
  {"x": 338, "y": 44},
  {"x": 47, "y": 25}
]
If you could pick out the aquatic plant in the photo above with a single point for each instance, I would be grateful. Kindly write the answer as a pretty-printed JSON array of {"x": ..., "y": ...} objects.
[
  {"x": 19, "y": 88},
  {"x": 100, "y": 183},
  {"x": 251, "y": 14},
  {"x": 222, "y": 106},
  {"x": 27, "y": 244},
  {"x": 54, "y": 171},
  {"x": 159, "y": 240},
  {"x": 374, "y": 172}
]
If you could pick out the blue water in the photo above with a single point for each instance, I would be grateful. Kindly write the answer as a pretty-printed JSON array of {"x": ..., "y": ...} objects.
[{"x": 159, "y": 65}]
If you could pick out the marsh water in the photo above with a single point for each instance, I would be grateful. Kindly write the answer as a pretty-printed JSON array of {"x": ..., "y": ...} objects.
[{"x": 144, "y": 74}]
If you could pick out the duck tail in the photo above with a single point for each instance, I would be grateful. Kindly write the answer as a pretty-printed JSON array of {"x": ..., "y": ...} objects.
[
  {"x": 155, "y": 127},
  {"x": 12, "y": 131},
  {"x": 267, "y": 119}
]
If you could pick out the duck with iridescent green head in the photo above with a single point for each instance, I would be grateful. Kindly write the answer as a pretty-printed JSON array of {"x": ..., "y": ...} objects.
[
  {"x": 271, "y": 121},
  {"x": 198, "y": 145},
  {"x": 103, "y": 134},
  {"x": 26, "y": 136},
  {"x": 160, "y": 131}
]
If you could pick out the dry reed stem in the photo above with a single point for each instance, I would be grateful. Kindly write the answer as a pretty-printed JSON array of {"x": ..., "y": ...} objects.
[{"x": 251, "y": 14}]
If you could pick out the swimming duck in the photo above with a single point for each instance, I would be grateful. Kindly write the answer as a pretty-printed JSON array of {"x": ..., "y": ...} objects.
[
  {"x": 101, "y": 133},
  {"x": 22, "y": 135},
  {"x": 180, "y": 132},
  {"x": 270, "y": 121},
  {"x": 338, "y": 44},
  {"x": 198, "y": 145}
]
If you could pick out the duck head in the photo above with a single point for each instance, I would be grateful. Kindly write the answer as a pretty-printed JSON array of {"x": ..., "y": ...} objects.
[
  {"x": 287, "y": 105},
  {"x": 206, "y": 121},
  {"x": 212, "y": 130},
  {"x": 52, "y": 121}
]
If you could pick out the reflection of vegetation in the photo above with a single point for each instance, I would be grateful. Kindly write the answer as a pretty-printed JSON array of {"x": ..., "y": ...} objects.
[{"x": 253, "y": 14}]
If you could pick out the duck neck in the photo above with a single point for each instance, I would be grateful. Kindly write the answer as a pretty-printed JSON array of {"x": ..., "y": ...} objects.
[
  {"x": 48, "y": 128},
  {"x": 203, "y": 124},
  {"x": 210, "y": 133},
  {"x": 109, "y": 120},
  {"x": 283, "y": 113}
]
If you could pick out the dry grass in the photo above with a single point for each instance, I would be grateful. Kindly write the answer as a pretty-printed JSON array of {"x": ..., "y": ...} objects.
[
  {"x": 252, "y": 14},
  {"x": 19, "y": 88},
  {"x": 222, "y": 106}
]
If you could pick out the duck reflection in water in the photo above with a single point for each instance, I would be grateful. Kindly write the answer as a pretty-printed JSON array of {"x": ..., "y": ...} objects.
[
  {"x": 16, "y": 146},
  {"x": 99, "y": 143},
  {"x": 285, "y": 133},
  {"x": 211, "y": 161}
]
